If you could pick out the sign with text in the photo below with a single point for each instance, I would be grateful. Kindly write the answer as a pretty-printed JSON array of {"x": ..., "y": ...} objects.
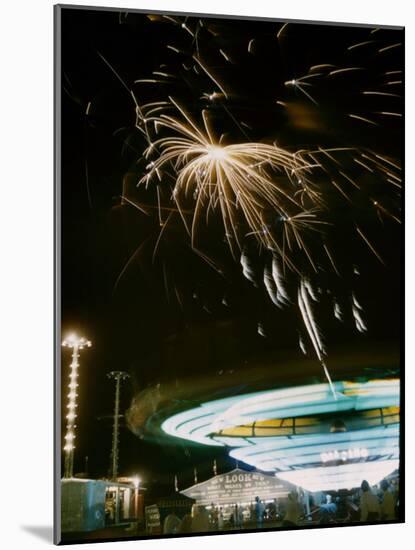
[
  {"x": 152, "y": 514},
  {"x": 237, "y": 486}
]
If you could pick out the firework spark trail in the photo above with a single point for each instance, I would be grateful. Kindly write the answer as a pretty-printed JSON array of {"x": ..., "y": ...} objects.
[
  {"x": 297, "y": 224},
  {"x": 363, "y": 119},
  {"x": 369, "y": 244},
  {"x": 206, "y": 70},
  {"x": 313, "y": 330},
  {"x": 139, "y": 113},
  {"x": 261, "y": 331},
  {"x": 306, "y": 311},
  {"x": 360, "y": 44},
  {"x": 349, "y": 179},
  {"x": 298, "y": 84},
  {"x": 337, "y": 312},
  {"x": 360, "y": 324},
  {"x": 135, "y": 204},
  {"x": 282, "y": 295},
  {"x": 129, "y": 262},
  {"x": 345, "y": 70},
  {"x": 329, "y": 255},
  {"x": 247, "y": 270},
  {"x": 270, "y": 286},
  {"x": 281, "y": 30},
  {"x": 307, "y": 284},
  {"x": 355, "y": 302},
  {"x": 302, "y": 345}
]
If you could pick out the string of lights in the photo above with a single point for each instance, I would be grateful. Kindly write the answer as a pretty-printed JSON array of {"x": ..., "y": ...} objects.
[{"x": 76, "y": 344}]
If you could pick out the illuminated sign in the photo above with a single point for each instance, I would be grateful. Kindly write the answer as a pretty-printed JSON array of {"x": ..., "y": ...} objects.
[
  {"x": 237, "y": 486},
  {"x": 347, "y": 454}
]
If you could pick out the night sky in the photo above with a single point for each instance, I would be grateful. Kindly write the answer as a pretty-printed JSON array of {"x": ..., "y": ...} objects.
[{"x": 202, "y": 324}]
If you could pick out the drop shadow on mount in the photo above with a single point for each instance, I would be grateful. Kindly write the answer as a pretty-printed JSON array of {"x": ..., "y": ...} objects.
[{"x": 43, "y": 532}]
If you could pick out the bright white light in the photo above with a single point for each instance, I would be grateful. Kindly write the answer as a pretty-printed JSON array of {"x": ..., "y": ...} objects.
[
  {"x": 348, "y": 454},
  {"x": 216, "y": 153},
  {"x": 73, "y": 341},
  {"x": 334, "y": 478},
  {"x": 136, "y": 481},
  {"x": 76, "y": 343}
]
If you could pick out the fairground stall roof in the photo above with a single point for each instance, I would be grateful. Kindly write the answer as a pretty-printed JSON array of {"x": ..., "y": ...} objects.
[{"x": 238, "y": 486}]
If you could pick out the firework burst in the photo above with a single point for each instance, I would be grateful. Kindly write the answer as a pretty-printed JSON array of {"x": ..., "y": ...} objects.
[
  {"x": 248, "y": 180},
  {"x": 291, "y": 200}
]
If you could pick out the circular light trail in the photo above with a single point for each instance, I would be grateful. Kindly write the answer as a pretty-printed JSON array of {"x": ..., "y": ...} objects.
[
  {"x": 301, "y": 451},
  {"x": 315, "y": 456},
  {"x": 198, "y": 424}
]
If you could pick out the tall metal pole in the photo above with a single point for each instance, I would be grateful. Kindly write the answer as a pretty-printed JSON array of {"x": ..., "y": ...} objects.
[
  {"x": 76, "y": 344},
  {"x": 118, "y": 376}
]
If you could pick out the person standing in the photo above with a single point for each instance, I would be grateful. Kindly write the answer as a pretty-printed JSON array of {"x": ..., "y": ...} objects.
[
  {"x": 369, "y": 504},
  {"x": 259, "y": 512},
  {"x": 292, "y": 512},
  {"x": 220, "y": 520},
  {"x": 388, "y": 502},
  {"x": 238, "y": 516},
  {"x": 214, "y": 517},
  {"x": 200, "y": 519}
]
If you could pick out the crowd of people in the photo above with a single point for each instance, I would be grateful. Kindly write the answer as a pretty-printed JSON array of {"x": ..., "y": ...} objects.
[{"x": 366, "y": 505}]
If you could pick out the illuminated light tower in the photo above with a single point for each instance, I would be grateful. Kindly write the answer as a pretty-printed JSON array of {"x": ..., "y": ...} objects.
[
  {"x": 76, "y": 344},
  {"x": 118, "y": 376}
]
